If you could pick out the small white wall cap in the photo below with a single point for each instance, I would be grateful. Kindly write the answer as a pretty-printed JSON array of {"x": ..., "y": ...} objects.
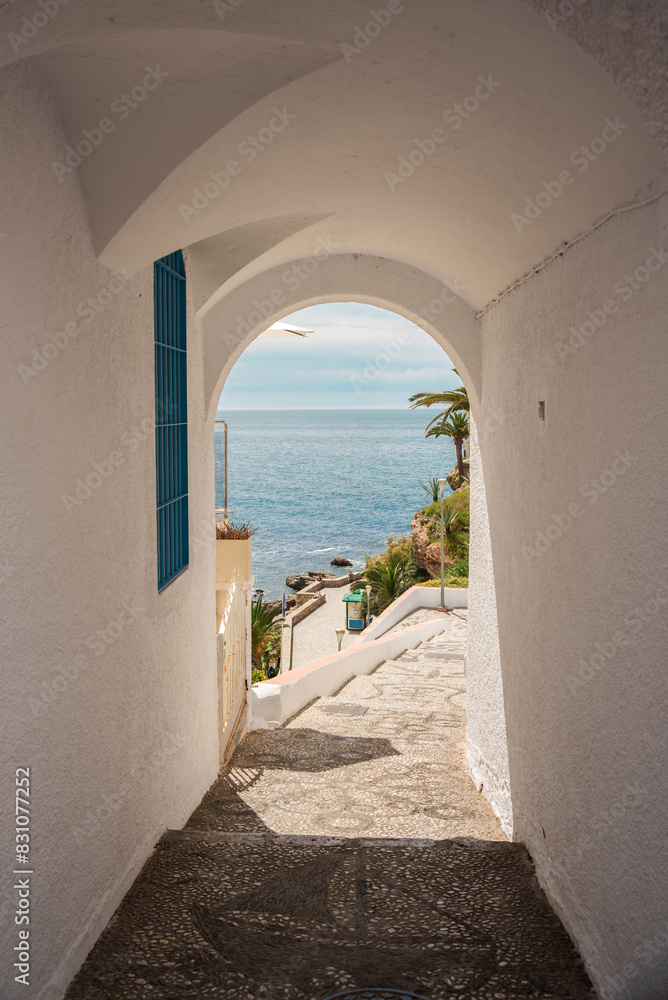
[{"x": 285, "y": 330}]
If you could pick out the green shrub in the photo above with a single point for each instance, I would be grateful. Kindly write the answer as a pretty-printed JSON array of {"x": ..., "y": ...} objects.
[
  {"x": 265, "y": 628},
  {"x": 257, "y": 676},
  {"x": 399, "y": 551},
  {"x": 458, "y": 568}
]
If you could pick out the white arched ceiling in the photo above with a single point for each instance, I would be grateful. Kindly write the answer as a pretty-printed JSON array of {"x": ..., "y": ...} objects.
[{"x": 348, "y": 117}]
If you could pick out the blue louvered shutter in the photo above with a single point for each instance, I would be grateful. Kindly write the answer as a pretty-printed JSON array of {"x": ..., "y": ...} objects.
[{"x": 171, "y": 417}]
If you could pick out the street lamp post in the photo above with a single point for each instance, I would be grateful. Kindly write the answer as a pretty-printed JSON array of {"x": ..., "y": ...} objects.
[
  {"x": 441, "y": 486},
  {"x": 340, "y": 632},
  {"x": 368, "y": 602},
  {"x": 226, "y": 510},
  {"x": 224, "y": 423}
]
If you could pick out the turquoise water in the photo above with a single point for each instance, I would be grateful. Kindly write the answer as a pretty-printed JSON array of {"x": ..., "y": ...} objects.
[{"x": 324, "y": 483}]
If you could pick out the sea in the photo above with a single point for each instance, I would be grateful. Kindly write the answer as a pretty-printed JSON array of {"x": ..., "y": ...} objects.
[{"x": 322, "y": 483}]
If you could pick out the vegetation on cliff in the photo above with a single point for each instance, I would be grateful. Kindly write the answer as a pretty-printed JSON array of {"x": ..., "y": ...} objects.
[
  {"x": 453, "y": 422},
  {"x": 390, "y": 574},
  {"x": 416, "y": 559},
  {"x": 455, "y": 523},
  {"x": 426, "y": 538}
]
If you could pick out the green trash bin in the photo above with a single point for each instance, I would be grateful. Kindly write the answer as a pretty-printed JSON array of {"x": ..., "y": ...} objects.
[{"x": 354, "y": 613}]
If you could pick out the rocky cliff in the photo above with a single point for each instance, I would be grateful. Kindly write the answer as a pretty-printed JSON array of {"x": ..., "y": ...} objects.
[{"x": 427, "y": 554}]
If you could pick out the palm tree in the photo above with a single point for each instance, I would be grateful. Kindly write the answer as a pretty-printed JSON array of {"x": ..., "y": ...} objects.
[
  {"x": 456, "y": 401},
  {"x": 387, "y": 580},
  {"x": 457, "y": 428},
  {"x": 264, "y": 628}
]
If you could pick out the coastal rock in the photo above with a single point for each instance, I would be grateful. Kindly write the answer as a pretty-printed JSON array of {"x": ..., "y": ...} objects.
[
  {"x": 297, "y": 581},
  {"x": 427, "y": 554},
  {"x": 340, "y": 561},
  {"x": 290, "y": 603},
  {"x": 453, "y": 477}
]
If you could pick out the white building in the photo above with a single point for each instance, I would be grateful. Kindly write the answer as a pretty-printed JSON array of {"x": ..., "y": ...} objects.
[{"x": 490, "y": 171}]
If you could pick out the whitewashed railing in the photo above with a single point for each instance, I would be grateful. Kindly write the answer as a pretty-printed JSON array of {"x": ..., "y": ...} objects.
[{"x": 233, "y": 657}]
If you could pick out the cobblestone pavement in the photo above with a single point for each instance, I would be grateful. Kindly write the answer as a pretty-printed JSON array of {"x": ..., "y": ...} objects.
[
  {"x": 421, "y": 616},
  {"x": 347, "y": 853},
  {"x": 397, "y": 770}
]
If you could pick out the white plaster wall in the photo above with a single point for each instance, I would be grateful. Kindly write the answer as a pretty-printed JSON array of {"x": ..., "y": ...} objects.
[
  {"x": 125, "y": 743},
  {"x": 411, "y": 600},
  {"x": 486, "y": 742},
  {"x": 584, "y": 680}
]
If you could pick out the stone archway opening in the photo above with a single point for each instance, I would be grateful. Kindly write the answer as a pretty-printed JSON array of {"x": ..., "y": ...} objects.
[
  {"x": 435, "y": 300},
  {"x": 367, "y": 364}
]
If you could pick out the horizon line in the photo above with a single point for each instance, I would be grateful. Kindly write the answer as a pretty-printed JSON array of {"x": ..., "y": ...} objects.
[{"x": 292, "y": 409}]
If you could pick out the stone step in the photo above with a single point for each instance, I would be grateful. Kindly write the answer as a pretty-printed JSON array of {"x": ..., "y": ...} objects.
[{"x": 191, "y": 836}]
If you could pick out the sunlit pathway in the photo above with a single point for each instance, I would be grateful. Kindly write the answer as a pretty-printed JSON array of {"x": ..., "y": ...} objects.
[
  {"x": 384, "y": 758},
  {"x": 347, "y": 849},
  {"x": 316, "y": 635}
]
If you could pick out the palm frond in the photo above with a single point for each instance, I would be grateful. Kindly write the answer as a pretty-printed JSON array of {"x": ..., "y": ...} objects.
[
  {"x": 456, "y": 401},
  {"x": 387, "y": 580},
  {"x": 456, "y": 426},
  {"x": 265, "y": 626}
]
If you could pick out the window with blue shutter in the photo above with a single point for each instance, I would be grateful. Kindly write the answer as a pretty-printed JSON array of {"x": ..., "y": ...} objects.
[{"x": 171, "y": 417}]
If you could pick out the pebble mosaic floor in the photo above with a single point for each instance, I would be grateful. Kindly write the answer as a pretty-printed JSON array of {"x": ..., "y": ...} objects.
[{"x": 343, "y": 855}]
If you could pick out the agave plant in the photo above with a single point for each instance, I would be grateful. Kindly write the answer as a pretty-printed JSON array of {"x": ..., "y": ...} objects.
[
  {"x": 454, "y": 529},
  {"x": 431, "y": 488},
  {"x": 452, "y": 519}
]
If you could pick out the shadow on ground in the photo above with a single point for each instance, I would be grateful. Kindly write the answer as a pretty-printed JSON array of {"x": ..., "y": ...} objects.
[
  {"x": 228, "y": 908},
  {"x": 305, "y": 750},
  {"x": 227, "y": 916}
]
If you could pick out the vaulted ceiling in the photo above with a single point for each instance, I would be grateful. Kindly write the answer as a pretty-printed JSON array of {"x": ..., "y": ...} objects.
[{"x": 441, "y": 134}]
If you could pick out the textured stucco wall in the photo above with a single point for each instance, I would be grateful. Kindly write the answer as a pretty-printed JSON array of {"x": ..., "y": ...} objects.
[
  {"x": 486, "y": 745},
  {"x": 108, "y": 687},
  {"x": 627, "y": 38},
  {"x": 577, "y": 508}
]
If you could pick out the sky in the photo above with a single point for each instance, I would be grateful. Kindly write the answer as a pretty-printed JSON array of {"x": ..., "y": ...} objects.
[{"x": 360, "y": 357}]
